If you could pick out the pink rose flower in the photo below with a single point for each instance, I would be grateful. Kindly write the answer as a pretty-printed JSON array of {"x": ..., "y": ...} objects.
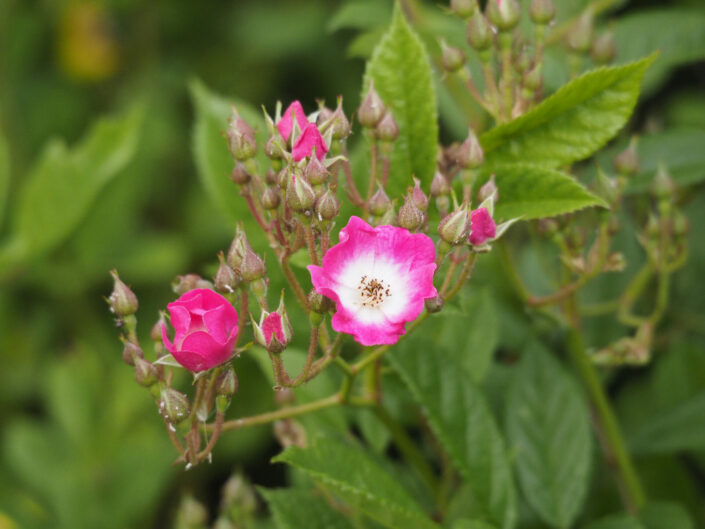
[
  {"x": 483, "y": 227},
  {"x": 205, "y": 329},
  {"x": 378, "y": 278},
  {"x": 286, "y": 123},
  {"x": 309, "y": 140}
]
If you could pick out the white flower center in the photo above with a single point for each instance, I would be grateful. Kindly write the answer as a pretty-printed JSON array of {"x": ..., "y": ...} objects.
[{"x": 373, "y": 291}]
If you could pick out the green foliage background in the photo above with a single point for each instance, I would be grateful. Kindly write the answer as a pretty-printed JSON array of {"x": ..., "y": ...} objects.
[{"x": 106, "y": 162}]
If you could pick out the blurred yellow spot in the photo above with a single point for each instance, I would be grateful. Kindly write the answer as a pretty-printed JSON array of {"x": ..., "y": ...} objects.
[
  {"x": 7, "y": 523},
  {"x": 87, "y": 49}
]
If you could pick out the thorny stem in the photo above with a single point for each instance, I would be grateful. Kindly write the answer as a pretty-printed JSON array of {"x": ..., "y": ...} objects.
[{"x": 310, "y": 241}]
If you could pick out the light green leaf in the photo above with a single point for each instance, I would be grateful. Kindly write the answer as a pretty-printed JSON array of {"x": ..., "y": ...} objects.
[
  {"x": 64, "y": 183},
  {"x": 662, "y": 515},
  {"x": 533, "y": 192},
  {"x": 616, "y": 521},
  {"x": 678, "y": 34},
  {"x": 548, "y": 430},
  {"x": 4, "y": 175},
  {"x": 213, "y": 159},
  {"x": 402, "y": 76},
  {"x": 361, "y": 14},
  {"x": 297, "y": 508},
  {"x": 461, "y": 419},
  {"x": 471, "y": 524},
  {"x": 352, "y": 475},
  {"x": 571, "y": 124}
]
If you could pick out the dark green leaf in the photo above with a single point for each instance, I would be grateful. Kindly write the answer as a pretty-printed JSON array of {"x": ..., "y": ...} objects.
[
  {"x": 548, "y": 428},
  {"x": 297, "y": 508},
  {"x": 662, "y": 515},
  {"x": 617, "y": 521},
  {"x": 571, "y": 124},
  {"x": 4, "y": 175},
  {"x": 352, "y": 475},
  {"x": 402, "y": 76},
  {"x": 461, "y": 419},
  {"x": 471, "y": 524},
  {"x": 64, "y": 183},
  {"x": 532, "y": 192}
]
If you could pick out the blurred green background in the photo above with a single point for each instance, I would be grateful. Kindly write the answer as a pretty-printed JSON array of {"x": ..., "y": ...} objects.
[{"x": 80, "y": 444}]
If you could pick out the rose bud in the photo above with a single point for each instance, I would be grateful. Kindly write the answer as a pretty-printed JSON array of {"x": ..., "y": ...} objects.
[
  {"x": 122, "y": 300},
  {"x": 324, "y": 115},
  {"x": 226, "y": 279},
  {"x": 479, "y": 32},
  {"x": 274, "y": 331},
  {"x": 274, "y": 149},
  {"x": 603, "y": 48},
  {"x": 418, "y": 196},
  {"x": 452, "y": 58},
  {"x": 455, "y": 227},
  {"x": 146, "y": 373},
  {"x": 225, "y": 387},
  {"x": 173, "y": 405},
  {"x": 183, "y": 284},
  {"x": 318, "y": 303},
  {"x": 542, "y": 11},
  {"x": 439, "y": 185},
  {"x": 271, "y": 198},
  {"x": 372, "y": 108},
  {"x": 299, "y": 194},
  {"x": 469, "y": 154},
  {"x": 336, "y": 121},
  {"x": 240, "y": 175},
  {"x": 379, "y": 202},
  {"x": 487, "y": 190},
  {"x": 483, "y": 227},
  {"x": 241, "y": 138},
  {"x": 270, "y": 177},
  {"x": 463, "y": 8},
  {"x": 205, "y": 329},
  {"x": 131, "y": 352},
  {"x": 252, "y": 266},
  {"x": 434, "y": 304},
  {"x": 627, "y": 162},
  {"x": 580, "y": 36},
  {"x": 316, "y": 173},
  {"x": 237, "y": 247},
  {"x": 327, "y": 206},
  {"x": 410, "y": 216},
  {"x": 387, "y": 129},
  {"x": 504, "y": 14},
  {"x": 293, "y": 114}
]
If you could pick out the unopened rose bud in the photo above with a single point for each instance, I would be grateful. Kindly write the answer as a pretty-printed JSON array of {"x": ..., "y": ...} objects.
[
  {"x": 662, "y": 185},
  {"x": 299, "y": 194},
  {"x": 270, "y": 177},
  {"x": 191, "y": 514},
  {"x": 439, "y": 185},
  {"x": 173, "y": 405},
  {"x": 132, "y": 351},
  {"x": 418, "y": 196},
  {"x": 533, "y": 78},
  {"x": 542, "y": 11},
  {"x": 316, "y": 173},
  {"x": 455, "y": 227},
  {"x": 434, "y": 304},
  {"x": 372, "y": 108},
  {"x": 275, "y": 148},
  {"x": 479, "y": 32},
  {"x": 463, "y": 8},
  {"x": 122, "y": 300},
  {"x": 410, "y": 216},
  {"x": 226, "y": 384},
  {"x": 580, "y": 37},
  {"x": 379, "y": 203},
  {"x": 318, "y": 303},
  {"x": 226, "y": 279},
  {"x": 627, "y": 162},
  {"x": 469, "y": 154},
  {"x": 252, "y": 266},
  {"x": 387, "y": 129},
  {"x": 603, "y": 48},
  {"x": 340, "y": 125},
  {"x": 324, "y": 115},
  {"x": 240, "y": 175},
  {"x": 241, "y": 138},
  {"x": 504, "y": 14},
  {"x": 327, "y": 206},
  {"x": 146, "y": 373},
  {"x": 452, "y": 59},
  {"x": 271, "y": 198},
  {"x": 487, "y": 190},
  {"x": 239, "y": 498},
  {"x": 274, "y": 331},
  {"x": 182, "y": 284},
  {"x": 237, "y": 248},
  {"x": 483, "y": 227}
]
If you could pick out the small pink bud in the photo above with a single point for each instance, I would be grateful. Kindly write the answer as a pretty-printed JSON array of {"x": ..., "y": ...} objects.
[
  {"x": 226, "y": 279},
  {"x": 299, "y": 194},
  {"x": 237, "y": 248},
  {"x": 130, "y": 352},
  {"x": 455, "y": 227},
  {"x": 336, "y": 121},
  {"x": 387, "y": 129},
  {"x": 483, "y": 227},
  {"x": 122, "y": 300},
  {"x": 275, "y": 148},
  {"x": 469, "y": 154},
  {"x": 418, "y": 196},
  {"x": 252, "y": 267},
  {"x": 379, "y": 202},
  {"x": 274, "y": 331},
  {"x": 271, "y": 198},
  {"x": 316, "y": 173},
  {"x": 241, "y": 138},
  {"x": 226, "y": 384},
  {"x": 439, "y": 185},
  {"x": 309, "y": 142},
  {"x": 627, "y": 161},
  {"x": 270, "y": 177},
  {"x": 487, "y": 190},
  {"x": 410, "y": 216},
  {"x": 327, "y": 206},
  {"x": 182, "y": 284},
  {"x": 240, "y": 175},
  {"x": 372, "y": 108},
  {"x": 286, "y": 124},
  {"x": 146, "y": 373}
]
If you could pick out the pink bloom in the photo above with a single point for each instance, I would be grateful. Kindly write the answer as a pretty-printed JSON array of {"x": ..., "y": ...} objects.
[
  {"x": 274, "y": 330},
  {"x": 483, "y": 227},
  {"x": 378, "y": 278},
  {"x": 309, "y": 140},
  {"x": 286, "y": 123},
  {"x": 205, "y": 325}
]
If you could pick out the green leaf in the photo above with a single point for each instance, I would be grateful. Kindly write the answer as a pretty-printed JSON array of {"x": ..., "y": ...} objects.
[
  {"x": 461, "y": 419},
  {"x": 616, "y": 521},
  {"x": 64, "y": 183},
  {"x": 360, "y": 14},
  {"x": 571, "y": 124},
  {"x": 471, "y": 524},
  {"x": 352, "y": 475},
  {"x": 297, "y": 508},
  {"x": 678, "y": 34},
  {"x": 548, "y": 428},
  {"x": 213, "y": 159},
  {"x": 533, "y": 192},
  {"x": 402, "y": 76},
  {"x": 661, "y": 515},
  {"x": 4, "y": 175}
]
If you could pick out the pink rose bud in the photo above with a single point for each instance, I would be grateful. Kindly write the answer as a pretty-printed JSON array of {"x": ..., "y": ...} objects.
[
  {"x": 122, "y": 300},
  {"x": 205, "y": 329},
  {"x": 337, "y": 122},
  {"x": 379, "y": 202},
  {"x": 241, "y": 138},
  {"x": 271, "y": 198},
  {"x": 237, "y": 248},
  {"x": 470, "y": 154},
  {"x": 299, "y": 194},
  {"x": 146, "y": 373},
  {"x": 226, "y": 279},
  {"x": 316, "y": 173},
  {"x": 439, "y": 185},
  {"x": 182, "y": 284},
  {"x": 483, "y": 227},
  {"x": 410, "y": 216},
  {"x": 274, "y": 331},
  {"x": 274, "y": 149},
  {"x": 327, "y": 206},
  {"x": 372, "y": 108},
  {"x": 387, "y": 128},
  {"x": 309, "y": 142},
  {"x": 286, "y": 124},
  {"x": 252, "y": 267},
  {"x": 418, "y": 196},
  {"x": 487, "y": 190}
]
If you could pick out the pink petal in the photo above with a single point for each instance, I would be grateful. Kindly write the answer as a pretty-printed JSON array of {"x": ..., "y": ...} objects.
[
  {"x": 309, "y": 140},
  {"x": 272, "y": 325},
  {"x": 180, "y": 319},
  {"x": 483, "y": 227},
  {"x": 203, "y": 345},
  {"x": 286, "y": 123},
  {"x": 167, "y": 342}
]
